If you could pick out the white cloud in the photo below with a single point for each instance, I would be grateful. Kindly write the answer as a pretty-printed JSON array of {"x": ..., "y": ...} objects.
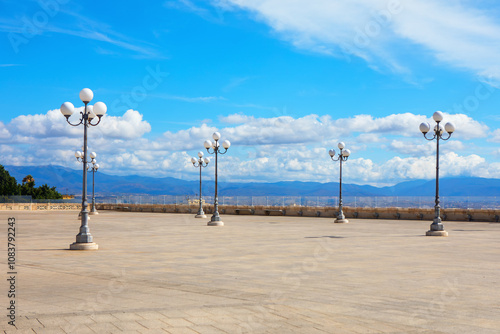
[
  {"x": 310, "y": 165},
  {"x": 51, "y": 124},
  {"x": 128, "y": 126},
  {"x": 264, "y": 149},
  {"x": 495, "y": 136},
  {"x": 417, "y": 148},
  {"x": 236, "y": 119},
  {"x": 44, "y": 127},
  {"x": 4, "y": 132},
  {"x": 456, "y": 33},
  {"x": 313, "y": 128}
]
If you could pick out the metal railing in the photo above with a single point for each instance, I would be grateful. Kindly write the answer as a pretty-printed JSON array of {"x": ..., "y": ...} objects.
[
  {"x": 476, "y": 202},
  {"x": 422, "y": 202}
]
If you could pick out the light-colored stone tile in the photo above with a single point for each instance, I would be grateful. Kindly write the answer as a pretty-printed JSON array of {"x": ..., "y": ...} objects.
[
  {"x": 78, "y": 329},
  {"x": 125, "y": 316},
  {"x": 178, "y": 322},
  {"x": 182, "y": 330},
  {"x": 104, "y": 327},
  {"x": 79, "y": 320},
  {"x": 207, "y": 329},
  {"x": 98, "y": 318},
  {"x": 274, "y": 273},
  {"x": 200, "y": 320},
  {"x": 129, "y": 325},
  {"x": 152, "y": 323},
  {"x": 151, "y": 315},
  {"x": 49, "y": 330},
  {"x": 19, "y": 331}
]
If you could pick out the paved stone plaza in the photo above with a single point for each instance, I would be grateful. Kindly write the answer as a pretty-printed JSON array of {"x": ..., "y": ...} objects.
[{"x": 170, "y": 273}]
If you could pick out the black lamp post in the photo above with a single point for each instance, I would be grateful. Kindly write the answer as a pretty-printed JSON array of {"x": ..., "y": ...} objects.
[
  {"x": 342, "y": 156},
  {"x": 84, "y": 238},
  {"x": 215, "y": 220},
  {"x": 437, "y": 228},
  {"x": 199, "y": 164},
  {"x": 93, "y": 169}
]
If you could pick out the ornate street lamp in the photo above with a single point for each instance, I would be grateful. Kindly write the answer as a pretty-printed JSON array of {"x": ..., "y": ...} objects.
[
  {"x": 93, "y": 169},
  {"x": 84, "y": 240},
  {"x": 215, "y": 220},
  {"x": 437, "y": 228},
  {"x": 342, "y": 156},
  {"x": 200, "y": 165}
]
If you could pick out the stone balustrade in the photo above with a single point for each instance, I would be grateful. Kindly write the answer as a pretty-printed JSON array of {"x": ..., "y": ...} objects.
[{"x": 483, "y": 215}]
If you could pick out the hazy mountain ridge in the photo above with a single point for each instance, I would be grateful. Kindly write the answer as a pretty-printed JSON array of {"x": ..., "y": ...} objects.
[{"x": 70, "y": 181}]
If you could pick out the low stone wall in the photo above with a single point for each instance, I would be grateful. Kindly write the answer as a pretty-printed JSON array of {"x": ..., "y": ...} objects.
[
  {"x": 327, "y": 212},
  {"x": 40, "y": 206},
  {"x": 304, "y": 211}
]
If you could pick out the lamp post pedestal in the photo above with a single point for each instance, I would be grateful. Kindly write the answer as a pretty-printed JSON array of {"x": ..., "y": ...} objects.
[
  {"x": 94, "y": 210},
  {"x": 431, "y": 233},
  {"x": 84, "y": 246},
  {"x": 215, "y": 220},
  {"x": 201, "y": 213},
  {"x": 215, "y": 223},
  {"x": 437, "y": 229},
  {"x": 341, "y": 218}
]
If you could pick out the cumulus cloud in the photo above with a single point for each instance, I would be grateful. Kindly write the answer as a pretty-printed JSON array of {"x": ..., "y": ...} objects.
[
  {"x": 315, "y": 166},
  {"x": 314, "y": 128},
  {"x": 52, "y": 124},
  {"x": 417, "y": 148},
  {"x": 128, "y": 126},
  {"x": 465, "y": 37},
  {"x": 385, "y": 150},
  {"x": 4, "y": 132}
]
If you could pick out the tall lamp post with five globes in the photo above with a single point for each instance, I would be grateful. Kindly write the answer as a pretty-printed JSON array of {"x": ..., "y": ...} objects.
[
  {"x": 84, "y": 240},
  {"x": 215, "y": 220},
  {"x": 199, "y": 164},
  {"x": 437, "y": 228},
  {"x": 342, "y": 156}
]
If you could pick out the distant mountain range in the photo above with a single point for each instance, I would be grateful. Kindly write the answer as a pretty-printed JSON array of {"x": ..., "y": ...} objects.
[{"x": 69, "y": 181}]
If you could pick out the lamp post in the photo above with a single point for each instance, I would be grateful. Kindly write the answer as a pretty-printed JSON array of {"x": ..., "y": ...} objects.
[
  {"x": 215, "y": 220},
  {"x": 342, "y": 156},
  {"x": 437, "y": 228},
  {"x": 93, "y": 169},
  {"x": 84, "y": 240},
  {"x": 199, "y": 164},
  {"x": 79, "y": 157}
]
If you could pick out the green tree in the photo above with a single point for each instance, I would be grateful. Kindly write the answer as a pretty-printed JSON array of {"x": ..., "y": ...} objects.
[
  {"x": 46, "y": 192},
  {"x": 10, "y": 187},
  {"x": 8, "y": 184},
  {"x": 43, "y": 192}
]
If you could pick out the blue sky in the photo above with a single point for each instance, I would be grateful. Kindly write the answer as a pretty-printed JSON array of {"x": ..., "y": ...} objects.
[{"x": 283, "y": 80}]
